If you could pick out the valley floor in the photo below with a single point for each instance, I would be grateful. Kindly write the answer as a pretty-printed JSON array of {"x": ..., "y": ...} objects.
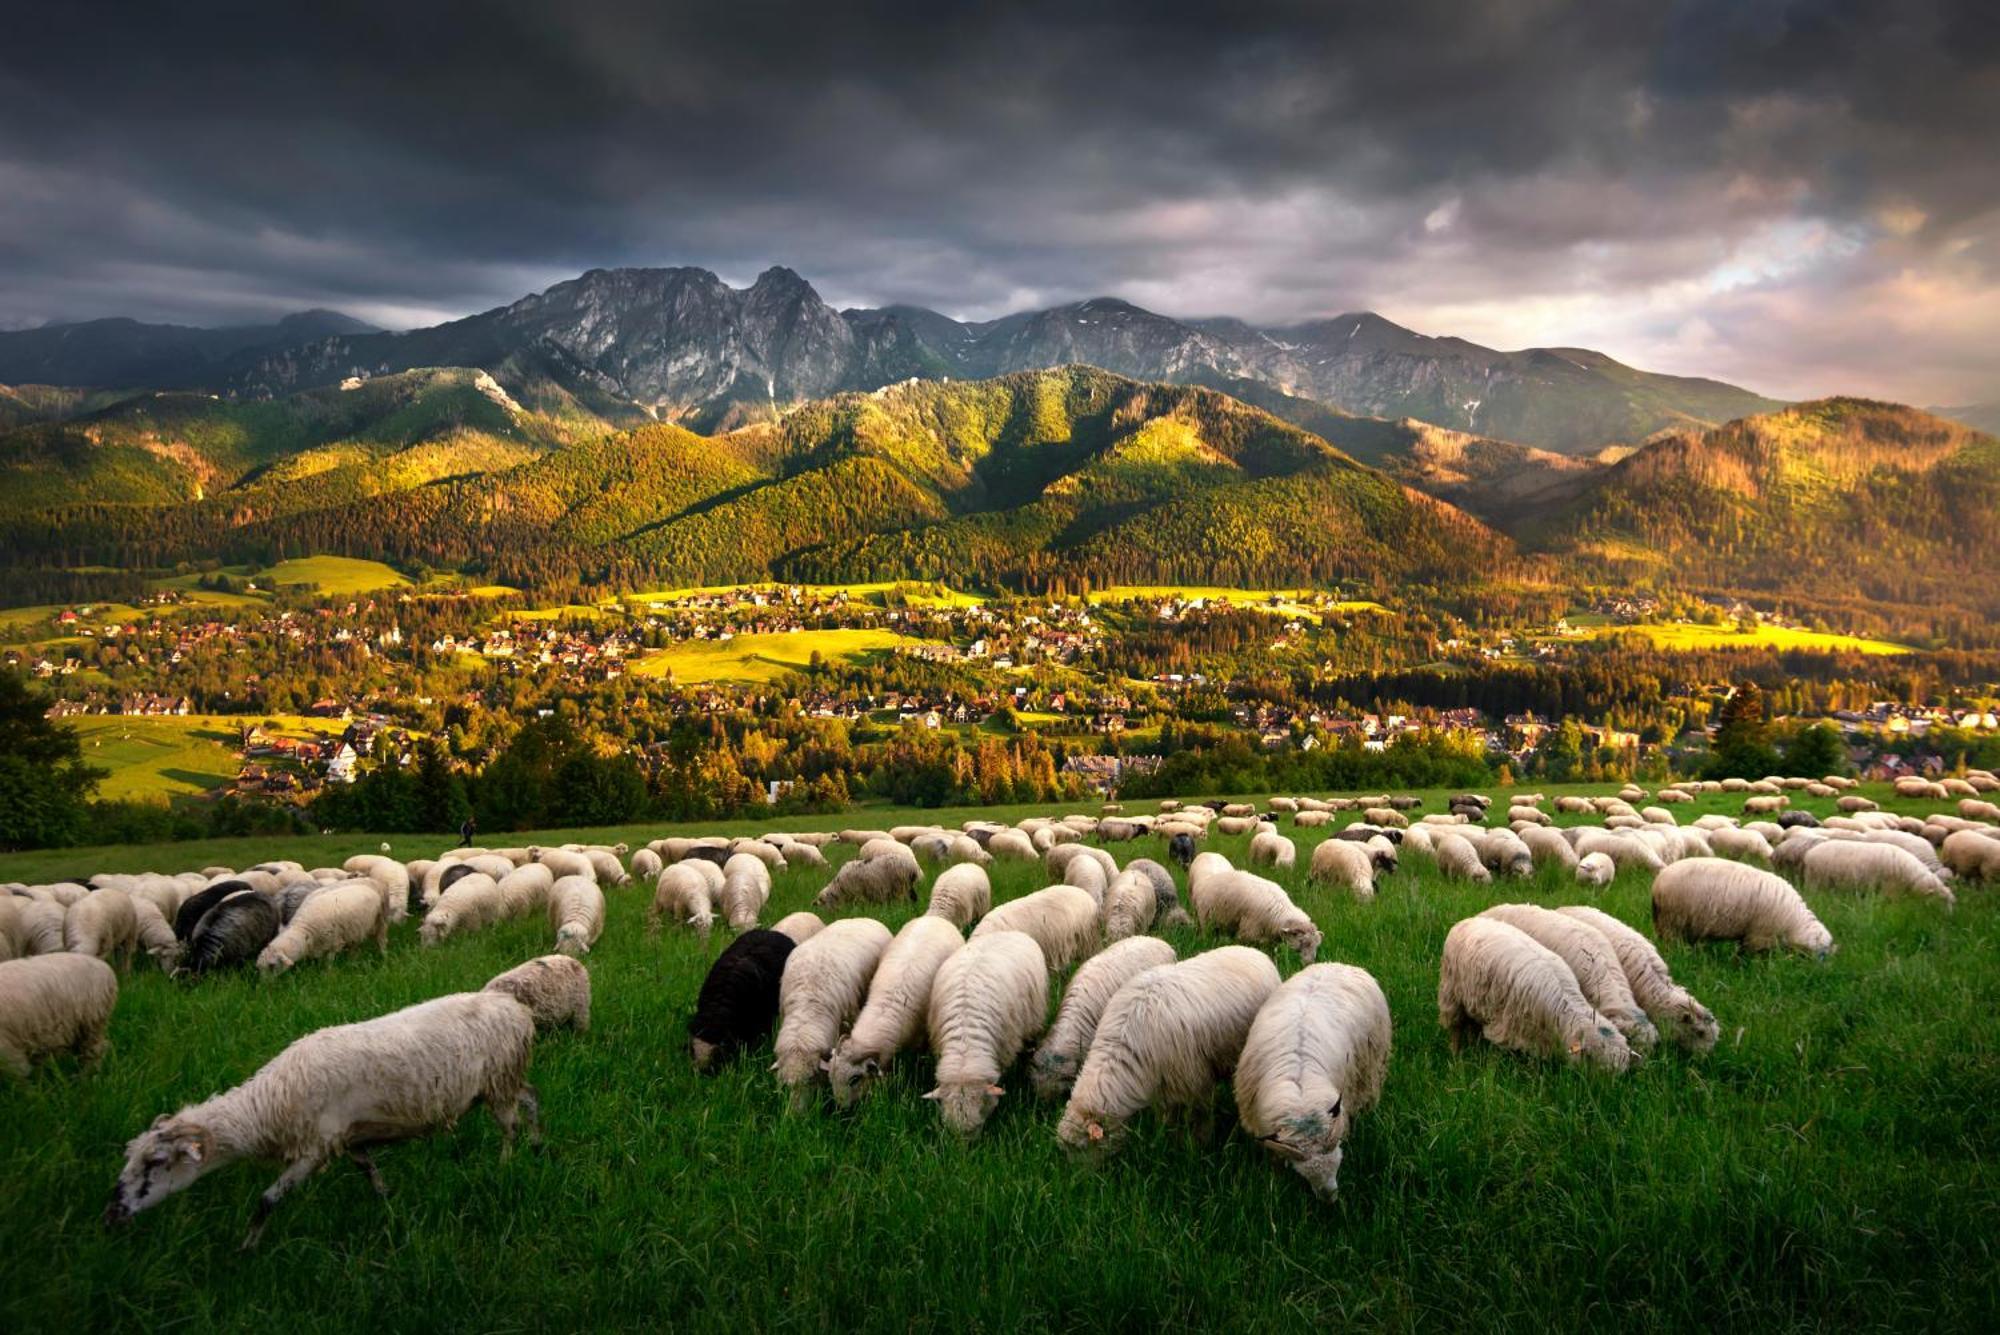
[{"x": 1830, "y": 1164}]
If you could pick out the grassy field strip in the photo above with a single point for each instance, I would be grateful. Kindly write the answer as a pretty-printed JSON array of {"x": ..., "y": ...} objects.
[
  {"x": 764, "y": 657},
  {"x": 1829, "y": 1164},
  {"x": 1684, "y": 635},
  {"x": 176, "y": 755}
]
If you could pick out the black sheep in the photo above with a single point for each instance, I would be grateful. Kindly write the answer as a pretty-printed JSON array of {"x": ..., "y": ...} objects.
[
  {"x": 1181, "y": 848},
  {"x": 707, "y": 853},
  {"x": 738, "y": 1003},
  {"x": 195, "y": 905},
  {"x": 231, "y": 934},
  {"x": 1798, "y": 820}
]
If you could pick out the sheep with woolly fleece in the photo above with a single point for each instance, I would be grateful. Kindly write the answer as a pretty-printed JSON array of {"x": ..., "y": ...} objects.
[
  {"x": 1163, "y": 1041},
  {"x": 392, "y": 876},
  {"x": 42, "y": 922},
  {"x": 471, "y": 904},
  {"x": 738, "y": 1001},
  {"x": 1315, "y": 1058},
  {"x": 1627, "y": 851},
  {"x": 1853, "y": 802},
  {"x": 989, "y": 1000},
  {"x": 1458, "y": 860},
  {"x": 1498, "y": 982},
  {"x": 1740, "y": 846},
  {"x": 1060, "y": 1056},
  {"x": 1011, "y": 846},
  {"x": 867, "y": 881},
  {"x": 339, "y": 1090},
  {"x": 576, "y": 914},
  {"x": 231, "y": 934},
  {"x": 1204, "y": 865},
  {"x": 1599, "y": 974},
  {"x": 1344, "y": 866},
  {"x": 54, "y": 1003},
  {"x": 1595, "y": 870},
  {"x": 1235, "y": 824},
  {"x": 1254, "y": 910},
  {"x": 746, "y": 888},
  {"x": 1673, "y": 1010},
  {"x": 1502, "y": 852},
  {"x": 14, "y": 932},
  {"x": 102, "y": 923},
  {"x": 1975, "y": 809},
  {"x": 1916, "y": 845},
  {"x": 1167, "y": 910},
  {"x": 1570, "y": 804},
  {"x": 683, "y": 894},
  {"x": 1059, "y": 859},
  {"x": 1130, "y": 904},
  {"x": 1714, "y": 899},
  {"x": 562, "y": 862},
  {"x": 821, "y": 993},
  {"x": 799, "y": 926},
  {"x": 1548, "y": 848},
  {"x": 1270, "y": 847},
  {"x": 1087, "y": 875},
  {"x": 1387, "y": 817},
  {"x": 554, "y": 988},
  {"x": 897, "y": 1008},
  {"x": 1307, "y": 820},
  {"x": 1972, "y": 855},
  {"x": 1765, "y": 806},
  {"x": 525, "y": 890},
  {"x": 768, "y": 856},
  {"x": 961, "y": 894},
  {"x": 1061, "y": 920},
  {"x": 329, "y": 922},
  {"x": 646, "y": 865},
  {"x": 1846, "y": 864},
  {"x": 1528, "y": 816}
]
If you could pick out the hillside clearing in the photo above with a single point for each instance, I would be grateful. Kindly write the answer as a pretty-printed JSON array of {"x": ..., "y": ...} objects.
[
  {"x": 764, "y": 657},
  {"x": 1684, "y": 635}
]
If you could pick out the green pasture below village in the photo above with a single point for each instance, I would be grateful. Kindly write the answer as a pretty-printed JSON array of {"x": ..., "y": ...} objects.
[{"x": 1829, "y": 1165}]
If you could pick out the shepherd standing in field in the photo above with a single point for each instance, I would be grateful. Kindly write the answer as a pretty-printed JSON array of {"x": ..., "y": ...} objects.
[{"x": 466, "y": 831}]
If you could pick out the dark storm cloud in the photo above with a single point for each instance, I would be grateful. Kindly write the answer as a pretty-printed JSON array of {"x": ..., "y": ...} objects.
[{"x": 1802, "y": 196}]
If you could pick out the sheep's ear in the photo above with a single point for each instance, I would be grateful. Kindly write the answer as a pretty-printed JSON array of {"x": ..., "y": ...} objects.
[
  {"x": 825, "y": 1065},
  {"x": 935, "y": 1094},
  {"x": 995, "y": 1090},
  {"x": 1094, "y": 1131},
  {"x": 774, "y": 1066}
]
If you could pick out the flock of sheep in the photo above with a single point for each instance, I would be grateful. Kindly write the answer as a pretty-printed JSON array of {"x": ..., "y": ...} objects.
[{"x": 1136, "y": 1026}]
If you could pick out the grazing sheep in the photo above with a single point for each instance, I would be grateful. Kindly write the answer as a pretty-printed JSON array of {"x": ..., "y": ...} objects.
[
  {"x": 744, "y": 894},
  {"x": 1548, "y": 848},
  {"x": 525, "y": 890},
  {"x": 576, "y": 913},
  {"x": 340, "y": 1090},
  {"x": 1974, "y": 809},
  {"x": 1167, "y": 910},
  {"x": 899, "y": 998},
  {"x": 1164, "y": 1040},
  {"x": 328, "y": 923},
  {"x": 60, "y": 1002},
  {"x": 1345, "y": 866},
  {"x": 1499, "y": 982},
  {"x": 1458, "y": 860},
  {"x": 231, "y": 934},
  {"x": 1090, "y": 990},
  {"x": 1684, "y": 1020},
  {"x": 1129, "y": 905},
  {"x": 1255, "y": 910},
  {"x": 1599, "y": 974},
  {"x": 1625, "y": 850},
  {"x": 1741, "y": 846},
  {"x": 561, "y": 862},
  {"x": 391, "y": 875},
  {"x": 1713, "y": 899},
  {"x": 1315, "y": 1058},
  {"x": 1062, "y": 921},
  {"x": 103, "y": 924},
  {"x": 647, "y": 865},
  {"x": 1972, "y": 855},
  {"x": 738, "y": 1001},
  {"x": 1843, "y": 864},
  {"x": 869, "y": 881},
  {"x": 1060, "y": 858},
  {"x": 1268, "y": 846},
  {"x": 1011, "y": 845},
  {"x": 1087, "y": 875},
  {"x": 683, "y": 895},
  {"x": 799, "y": 926},
  {"x": 554, "y": 988},
  {"x": 1855, "y": 803},
  {"x": 961, "y": 894},
  {"x": 201, "y": 901},
  {"x": 988, "y": 1001},
  {"x": 824, "y": 983},
  {"x": 1595, "y": 870},
  {"x": 156, "y": 935},
  {"x": 470, "y": 904},
  {"x": 42, "y": 922}
]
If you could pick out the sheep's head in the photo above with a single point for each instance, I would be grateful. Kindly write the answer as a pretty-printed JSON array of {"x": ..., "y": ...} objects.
[
  {"x": 1601, "y": 1045},
  {"x": 570, "y": 940},
  {"x": 1087, "y": 1132},
  {"x": 966, "y": 1106},
  {"x": 849, "y": 1071},
  {"x": 1694, "y": 1026},
  {"x": 1815, "y": 939},
  {"x": 798, "y": 1068},
  {"x": 1304, "y": 939},
  {"x": 168, "y": 1158},
  {"x": 1052, "y": 1073},
  {"x": 704, "y": 1054},
  {"x": 272, "y": 961}
]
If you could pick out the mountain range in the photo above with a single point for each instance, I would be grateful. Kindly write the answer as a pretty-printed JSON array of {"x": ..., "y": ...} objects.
[{"x": 622, "y": 346}]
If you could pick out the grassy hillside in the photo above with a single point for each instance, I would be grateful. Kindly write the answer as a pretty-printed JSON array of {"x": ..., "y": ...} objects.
[{"x": 1826, "y": 1165}]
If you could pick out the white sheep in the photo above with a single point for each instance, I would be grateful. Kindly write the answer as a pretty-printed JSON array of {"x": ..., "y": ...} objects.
[
  {"x": 1062, "y": 920},
  {"x": 54, "y": 1003},
  {"x": 989, "y": 1001},
  {"x": 1087, "y": 875},
  {"x": 1845, "y": 864},
  {"x": 1499, "y": 982},
  {"x": 1672, "y": 1008},
  {"x": 1254, "y": 910},
  {"x": 156, "y": 934},
  {"x": 1600, "y": 976},
  {"x": 1012, "y": 846},
  {"x": 898, "y": 1005},
  {"x": 1344, "y": 865},
  {"x": 554, "y": 988},
  {"x": 392, "y": 876},
  {"x": 1315, "y": 1058},
  {"x": 1268, "y": 846},
  {"x": 525, "y": 889},
  {"x": 684, "y": 894},
  {"x": 799, "y": 926},
  {"x": 961, "y": 894},
  {"x": 102, "y": 923},
  {"x": 1595, "y": 870},
  {"x": 1740, "y": 846},
  {"x": 824, "y": 983},
  {"x": 469, "y": 904},
  {"x": 1714, "y": 899},
  {"x": 1164, "y": 1040},
  {"x": 1130, "y": 904},
  {"x": 746, "y": 888},
  {"x": 340, "y": 1090},
  {"x": 1971, "y": 854},
  {"x": 576, "y": 914},
  {"x": 326, "y": 924},
  {"x": 1457, "y": 859},
  {"x": 1548, "y": 848},
  {"x": 1090, "y": 990}
]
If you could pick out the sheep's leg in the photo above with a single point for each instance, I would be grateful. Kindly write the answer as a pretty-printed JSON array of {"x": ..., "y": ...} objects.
[
  {"x": 91, "y": 1046},
  {"x": 366, "y": 1163},
  {"x": 295, "y": 1172}
]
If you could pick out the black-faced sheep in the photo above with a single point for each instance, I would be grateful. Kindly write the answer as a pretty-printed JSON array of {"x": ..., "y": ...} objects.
[
  {"x": 738, "y": 1001},
  {"x": 231, "y": 934}
]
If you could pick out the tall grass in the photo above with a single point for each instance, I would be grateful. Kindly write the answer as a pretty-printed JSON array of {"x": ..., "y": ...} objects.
[{"x": 1829, "y": 1164}]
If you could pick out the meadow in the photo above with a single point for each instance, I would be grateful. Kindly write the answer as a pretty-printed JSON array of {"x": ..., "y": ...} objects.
[
  {"x": 764, "y": 657},
  {"x": 1829, "y": 1165},
  {"x": 169, "y": 756},
  {"x": 1688, "y": 636}
]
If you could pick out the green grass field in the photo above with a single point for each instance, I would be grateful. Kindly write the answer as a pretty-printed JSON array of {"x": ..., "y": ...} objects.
[
  {"x": 763, "y": 657},
  {"x": 1829, "y": 1165},
  {"x": 174, "y": 756},
  {"x": 1683, "y": 635}
]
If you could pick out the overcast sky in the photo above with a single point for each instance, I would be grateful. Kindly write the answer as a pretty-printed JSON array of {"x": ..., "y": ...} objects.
[{"x": 1799, "y": 197}]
